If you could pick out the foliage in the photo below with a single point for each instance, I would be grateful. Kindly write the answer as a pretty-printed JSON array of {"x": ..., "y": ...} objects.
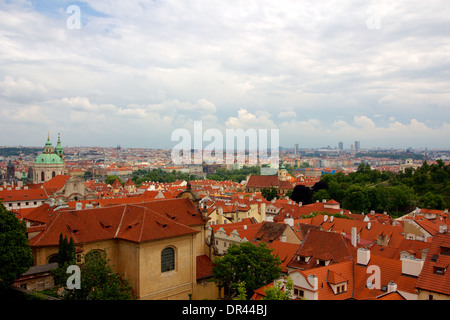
[
  {"x": 242, "y": 292},
  {"x": 66, "y": 257},
  {"x": 276, "y": 291},
  {"x": 237, "y": 175},
  {"x": 110, "y": 179},
  {"x": 158, "y": 175},
  {"x": 269, "y": 193},
  {"x": 100, "y": 282},
  {"x": 302, "y": 194},
  {"x": 397, "y": 193},
  {"x": 15, "y": 252},
  {"x": 246, "y": 263}
]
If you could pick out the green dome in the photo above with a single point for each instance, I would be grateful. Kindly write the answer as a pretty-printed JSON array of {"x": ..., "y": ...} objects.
[{"x": 48, "y": 158}]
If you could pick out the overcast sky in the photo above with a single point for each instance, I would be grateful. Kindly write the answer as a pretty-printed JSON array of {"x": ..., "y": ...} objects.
[{"x": 134, "y": 71}]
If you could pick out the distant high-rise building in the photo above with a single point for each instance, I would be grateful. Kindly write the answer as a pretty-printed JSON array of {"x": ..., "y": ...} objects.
[
  {"x": 296, "y": 149},
  {"x": 357, "y": 145},
  {"x": 341, "y": 145}
]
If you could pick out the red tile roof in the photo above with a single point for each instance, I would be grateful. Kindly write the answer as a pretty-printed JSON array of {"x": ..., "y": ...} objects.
[
  {"x": 137, "y": 223},
  {"x": 436, "y": 258},
  {"x": 23, "y": 195}
]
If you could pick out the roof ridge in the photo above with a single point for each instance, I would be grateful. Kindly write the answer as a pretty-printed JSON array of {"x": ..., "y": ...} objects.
[{"x": 121, "y": 220}]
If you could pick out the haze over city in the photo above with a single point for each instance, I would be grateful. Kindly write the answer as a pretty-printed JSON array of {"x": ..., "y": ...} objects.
[{"x": 130, "y": 73}]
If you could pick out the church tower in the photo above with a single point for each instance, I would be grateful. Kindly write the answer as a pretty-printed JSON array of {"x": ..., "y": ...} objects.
[{"x": 50, "y": 163}]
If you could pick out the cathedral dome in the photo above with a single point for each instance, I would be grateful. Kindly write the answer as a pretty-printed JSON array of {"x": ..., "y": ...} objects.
[{"x": 48, "y": 158}]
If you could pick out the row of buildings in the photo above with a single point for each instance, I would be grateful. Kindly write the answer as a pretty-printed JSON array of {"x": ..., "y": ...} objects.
[{"x": 164, "y": 237}]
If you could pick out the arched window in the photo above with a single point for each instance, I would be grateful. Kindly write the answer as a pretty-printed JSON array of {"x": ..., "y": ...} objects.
[
  {"x": 53, "y": 258},
  {"x": 42, "y": 176},
  {"x": 53, "y": 174},
  {"x": 167, "y": 259}
]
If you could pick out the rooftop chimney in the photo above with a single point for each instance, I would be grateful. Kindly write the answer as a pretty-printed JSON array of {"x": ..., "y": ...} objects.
[
  {"x": 314, "y": 281},
  {"x": 363, "y": 256},
  {"x": 354, "y": 237},
  {"x": 392, "y": 286},
  {"x": 289, "y": 220},
  {"x": 411, "y": 266}
]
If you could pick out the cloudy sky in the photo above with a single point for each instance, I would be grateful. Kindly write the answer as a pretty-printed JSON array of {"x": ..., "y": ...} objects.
[{"x": 129, "y": 73}]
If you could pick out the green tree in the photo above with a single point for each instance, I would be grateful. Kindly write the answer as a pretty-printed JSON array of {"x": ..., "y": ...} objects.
[
  {"x": 302, "y": 194},
  {"x": 15, "y": 252},
  {"x": 431, "y": 200},
  {"x": 242, "y": 292},
  {"x": 253, "y": 264},
  {"x": 269, "y": 193},
  {"x": 276, "y": 292},
  {"x": 100, "y": 282},
  {"x": 66, "y": 257},
  {"x": 111, "y": 179},
  {"x": 320, "y": 195},
  {"x": 356, "y": 199}
]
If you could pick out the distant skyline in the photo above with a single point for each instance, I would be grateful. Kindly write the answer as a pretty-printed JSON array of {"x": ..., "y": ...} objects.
[{"x": 131, "y": 72}]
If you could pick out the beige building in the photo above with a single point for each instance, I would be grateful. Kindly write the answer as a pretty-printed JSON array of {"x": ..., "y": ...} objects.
[{"x": 159, "y": 245}]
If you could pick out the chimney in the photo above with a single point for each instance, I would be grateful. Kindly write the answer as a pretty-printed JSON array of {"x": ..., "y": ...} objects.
[
  {"x": 354, "y": 237},
  {"x": 325, "y": 218},
  {"x": 262, "y": 211},
  {"x": 300, "y": 204},
  {"x": 392, "y": 286},
  {"x": 289, "y": 220},
  {"x": 313, "y": 281},
  {"x": 363, "y": 256},
  {"x": 331, "y": 218},
  {"x": 411, "y": 266},
  {"x": 369, "y": 225}
]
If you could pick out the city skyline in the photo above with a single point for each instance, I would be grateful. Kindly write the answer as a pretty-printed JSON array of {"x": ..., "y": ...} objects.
[{"x": 130, "y": 74}]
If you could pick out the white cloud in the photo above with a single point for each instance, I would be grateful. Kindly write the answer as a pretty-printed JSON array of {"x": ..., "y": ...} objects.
[
  {"x": 247, "y": 120},
  {"x": 164, "y": 64}
]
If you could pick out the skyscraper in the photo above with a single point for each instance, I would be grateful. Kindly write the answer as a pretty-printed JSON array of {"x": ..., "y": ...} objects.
[
  {"x": 341, "y": 145},
  {"x": 357, "y": 145}
]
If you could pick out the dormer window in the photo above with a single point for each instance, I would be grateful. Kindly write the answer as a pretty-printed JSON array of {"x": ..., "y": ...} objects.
[
  {"x": 305, "y": 259},
  {"x": 445, "y": 250},
  {"x": 439, "y": 270}
]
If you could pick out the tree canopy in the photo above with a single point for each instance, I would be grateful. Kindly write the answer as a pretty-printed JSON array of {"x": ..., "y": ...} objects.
[
  {"x": 397, "y": 193},
  {"x": 100, "y": 282},
  {"x": 15, "y": 252},
  {"x": 246, "y": 263}
]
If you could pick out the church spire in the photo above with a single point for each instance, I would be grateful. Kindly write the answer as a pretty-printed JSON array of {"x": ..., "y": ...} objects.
[
  {"x": 48, "y": 148},
  {"x": 59, "y": 149}
]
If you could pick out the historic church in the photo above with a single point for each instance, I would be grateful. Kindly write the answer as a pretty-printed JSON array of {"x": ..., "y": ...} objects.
[{"x": 50, "y": 163}]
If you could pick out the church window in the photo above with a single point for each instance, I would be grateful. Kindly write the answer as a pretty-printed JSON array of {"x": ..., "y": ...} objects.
[
  {"x": 167, "y": 259},
  {"x": 53, "y": 174},
  {"x": 42, "y": 176}
]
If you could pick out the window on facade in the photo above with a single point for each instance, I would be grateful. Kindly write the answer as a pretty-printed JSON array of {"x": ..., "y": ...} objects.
[
  {"x": 167, "y": 259},
  {"x": 298, "y": 292}
]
